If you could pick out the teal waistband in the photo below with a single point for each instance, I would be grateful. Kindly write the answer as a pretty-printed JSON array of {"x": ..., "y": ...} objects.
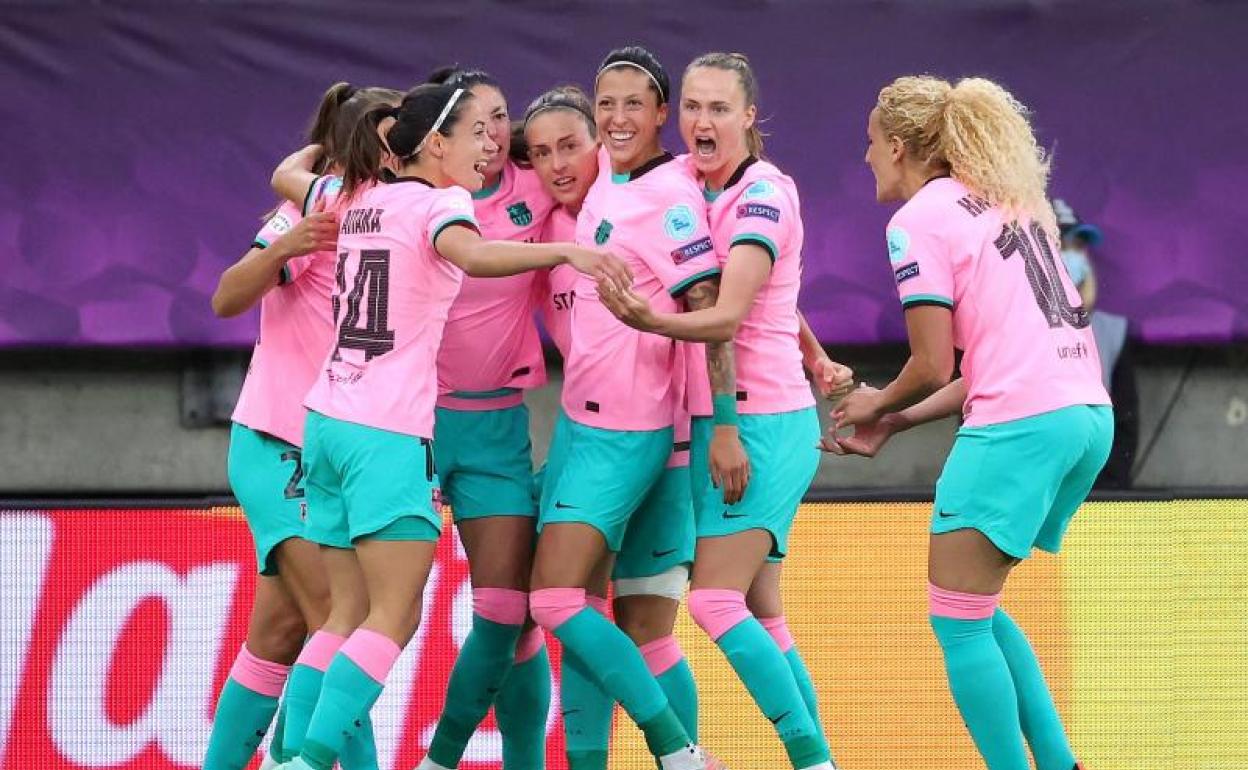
[{"x": 474, "y": 395}]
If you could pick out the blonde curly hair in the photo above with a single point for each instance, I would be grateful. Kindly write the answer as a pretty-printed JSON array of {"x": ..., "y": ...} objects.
[{"x": 978, "y": 132}]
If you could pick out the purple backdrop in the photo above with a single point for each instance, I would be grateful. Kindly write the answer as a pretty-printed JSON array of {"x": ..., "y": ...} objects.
[{"x": 138, "y": 136}]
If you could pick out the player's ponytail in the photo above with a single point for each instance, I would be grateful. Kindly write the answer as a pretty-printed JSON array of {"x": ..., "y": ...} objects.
[
  {"x": 739, "y": 64},
  {"x": 321, "y": 128},
  {"x": 975, "y": 131},
  {"x": 361, "y": 162},
  {"x": 423, "y": 110},
  {"x": 986, "y": 138}
]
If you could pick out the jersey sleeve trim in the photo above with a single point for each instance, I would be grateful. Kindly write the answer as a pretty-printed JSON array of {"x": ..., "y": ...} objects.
[
  {"x": 284, "y": 276},
  {"x": 307, "y": 197},
  {"x": 260, "y": 243},
  {"x": 679, "y": 289},
  {"x": 462, "y": 220},
  {"x": 918, "y": 300},
  {"x": 757, "y": 239}
]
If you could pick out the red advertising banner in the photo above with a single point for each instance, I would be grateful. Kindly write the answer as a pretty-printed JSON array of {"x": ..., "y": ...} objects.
[{"x": 118, "y": 628}]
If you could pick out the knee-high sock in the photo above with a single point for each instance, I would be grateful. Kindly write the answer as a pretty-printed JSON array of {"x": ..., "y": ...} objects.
[
  {"x": 523, "y": 704},
  {"x": 614, "y": 662},
  {"x": 304, "y": 688},
  {"x": 359, "y": 752},
  {"x": 667, "y": 663},
  {"x": 1037, "y": 715},
  {"x": 279, "y": 727},
  {"x": 482, "y": 665},
  {"x": 587, "y": 710},
  {"x": 761, "y": 666},
  {"x": 353, "y": 682},
  {"x": 246, "y": 707},
  {"x": 979, "y": 677},
  {"x": 779, "y": 630}
]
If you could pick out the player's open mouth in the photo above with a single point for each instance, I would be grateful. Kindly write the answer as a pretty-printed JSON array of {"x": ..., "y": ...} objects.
[
  {"x": 480, "y": 165},
  {"x": 704, "y": 146},
  {"x": 564, "y": 182}
]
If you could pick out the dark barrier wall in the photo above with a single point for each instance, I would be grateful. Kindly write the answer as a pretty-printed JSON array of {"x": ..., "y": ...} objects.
[{"x": 138, "y": 136}]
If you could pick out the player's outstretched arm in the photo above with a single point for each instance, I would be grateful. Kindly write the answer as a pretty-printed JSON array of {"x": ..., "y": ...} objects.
[{"x": 467, "y": 250}]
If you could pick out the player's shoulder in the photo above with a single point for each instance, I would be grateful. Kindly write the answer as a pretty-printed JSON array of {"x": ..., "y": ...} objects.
[{"x": 763, "y": 184}]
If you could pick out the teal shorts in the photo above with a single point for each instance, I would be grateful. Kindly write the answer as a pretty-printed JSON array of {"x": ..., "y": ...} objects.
[
  {"x": 364, "y": 482},
  {"x": 266, "y": 475},
  {"x": 1020, "y": 482},
  {"x": 660, "y": 534},
  {"x": 600, "y": 477},
  {"x": 485, "y": 461},
  {"x": 784, "y": 456}
]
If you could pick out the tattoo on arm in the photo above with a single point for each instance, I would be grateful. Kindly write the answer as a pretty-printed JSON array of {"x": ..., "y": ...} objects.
[{"x": 720, "y": 361}]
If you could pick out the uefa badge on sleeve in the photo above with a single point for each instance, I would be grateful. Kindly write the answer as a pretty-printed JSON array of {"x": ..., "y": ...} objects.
[{"x": 520, "y": 214}]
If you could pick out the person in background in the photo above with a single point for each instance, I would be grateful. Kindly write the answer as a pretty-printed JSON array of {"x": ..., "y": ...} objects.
[{"x": 1113, "y": 341}]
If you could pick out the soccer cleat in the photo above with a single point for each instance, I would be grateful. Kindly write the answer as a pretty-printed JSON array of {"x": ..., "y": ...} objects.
[{"x": 690, "y": 757}]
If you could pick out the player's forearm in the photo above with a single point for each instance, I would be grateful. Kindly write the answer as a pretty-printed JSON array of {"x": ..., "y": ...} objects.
[
  {"x": 711, "y": 325},
  {"x": 702, "y": 300},
  {"x": 293, "y": 177},
  {"x": 495, "y": 259},
  {"x": 809, "y": 344},
  {"x": 918, "y": 379},
  {"x": 706, "y": 318},
  {"x": 945, "y": 402},
  {"x": 245, "y": 282}
]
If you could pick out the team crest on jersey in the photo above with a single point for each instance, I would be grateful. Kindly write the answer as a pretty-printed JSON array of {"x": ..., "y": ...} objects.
[
  {"x": 898, "y": 244},
  {"x": 679, "y": 222},
  {"x": 603, "y": 232},
  {"x": 520, "y": 214},
  {"x": 759, "y": 190}
]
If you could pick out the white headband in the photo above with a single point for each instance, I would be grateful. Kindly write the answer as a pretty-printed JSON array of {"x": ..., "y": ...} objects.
[
  {"x": 450, "y": 104},
  {"x": 635, "y": 65}
]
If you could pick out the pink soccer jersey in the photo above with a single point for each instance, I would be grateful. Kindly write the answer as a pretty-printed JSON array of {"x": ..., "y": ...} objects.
[
  {"x": 759, "y": 206},
  {"x": 1027, "y": 345},
  {"x": 557, "y": 288},
  {"x": 295, "y": 332},
  {"x": 655, "y": 219},
  {"x": 491, "y": 339},
  {"x": 393, "y": 296}
]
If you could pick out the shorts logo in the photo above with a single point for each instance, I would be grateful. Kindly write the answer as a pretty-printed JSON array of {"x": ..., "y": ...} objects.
[
  {"x": 758, "y": 210},
  {"x": 906, "y": 272},
  {"x": 603, "y": 233},
  {"x": 759, "y": 190},
  {"x": 679, "y": 222},
  {"x": 691, "y": 250},
  {"x": 280, "y": 224},
  {"x": 303, "y": 510},
  {"x": 520, "y": 214},
  {"x": 898, "y": 244}
]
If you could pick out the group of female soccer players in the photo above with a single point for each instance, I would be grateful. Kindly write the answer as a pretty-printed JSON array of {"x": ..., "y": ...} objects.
[{"x": 399, "y": 284}]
